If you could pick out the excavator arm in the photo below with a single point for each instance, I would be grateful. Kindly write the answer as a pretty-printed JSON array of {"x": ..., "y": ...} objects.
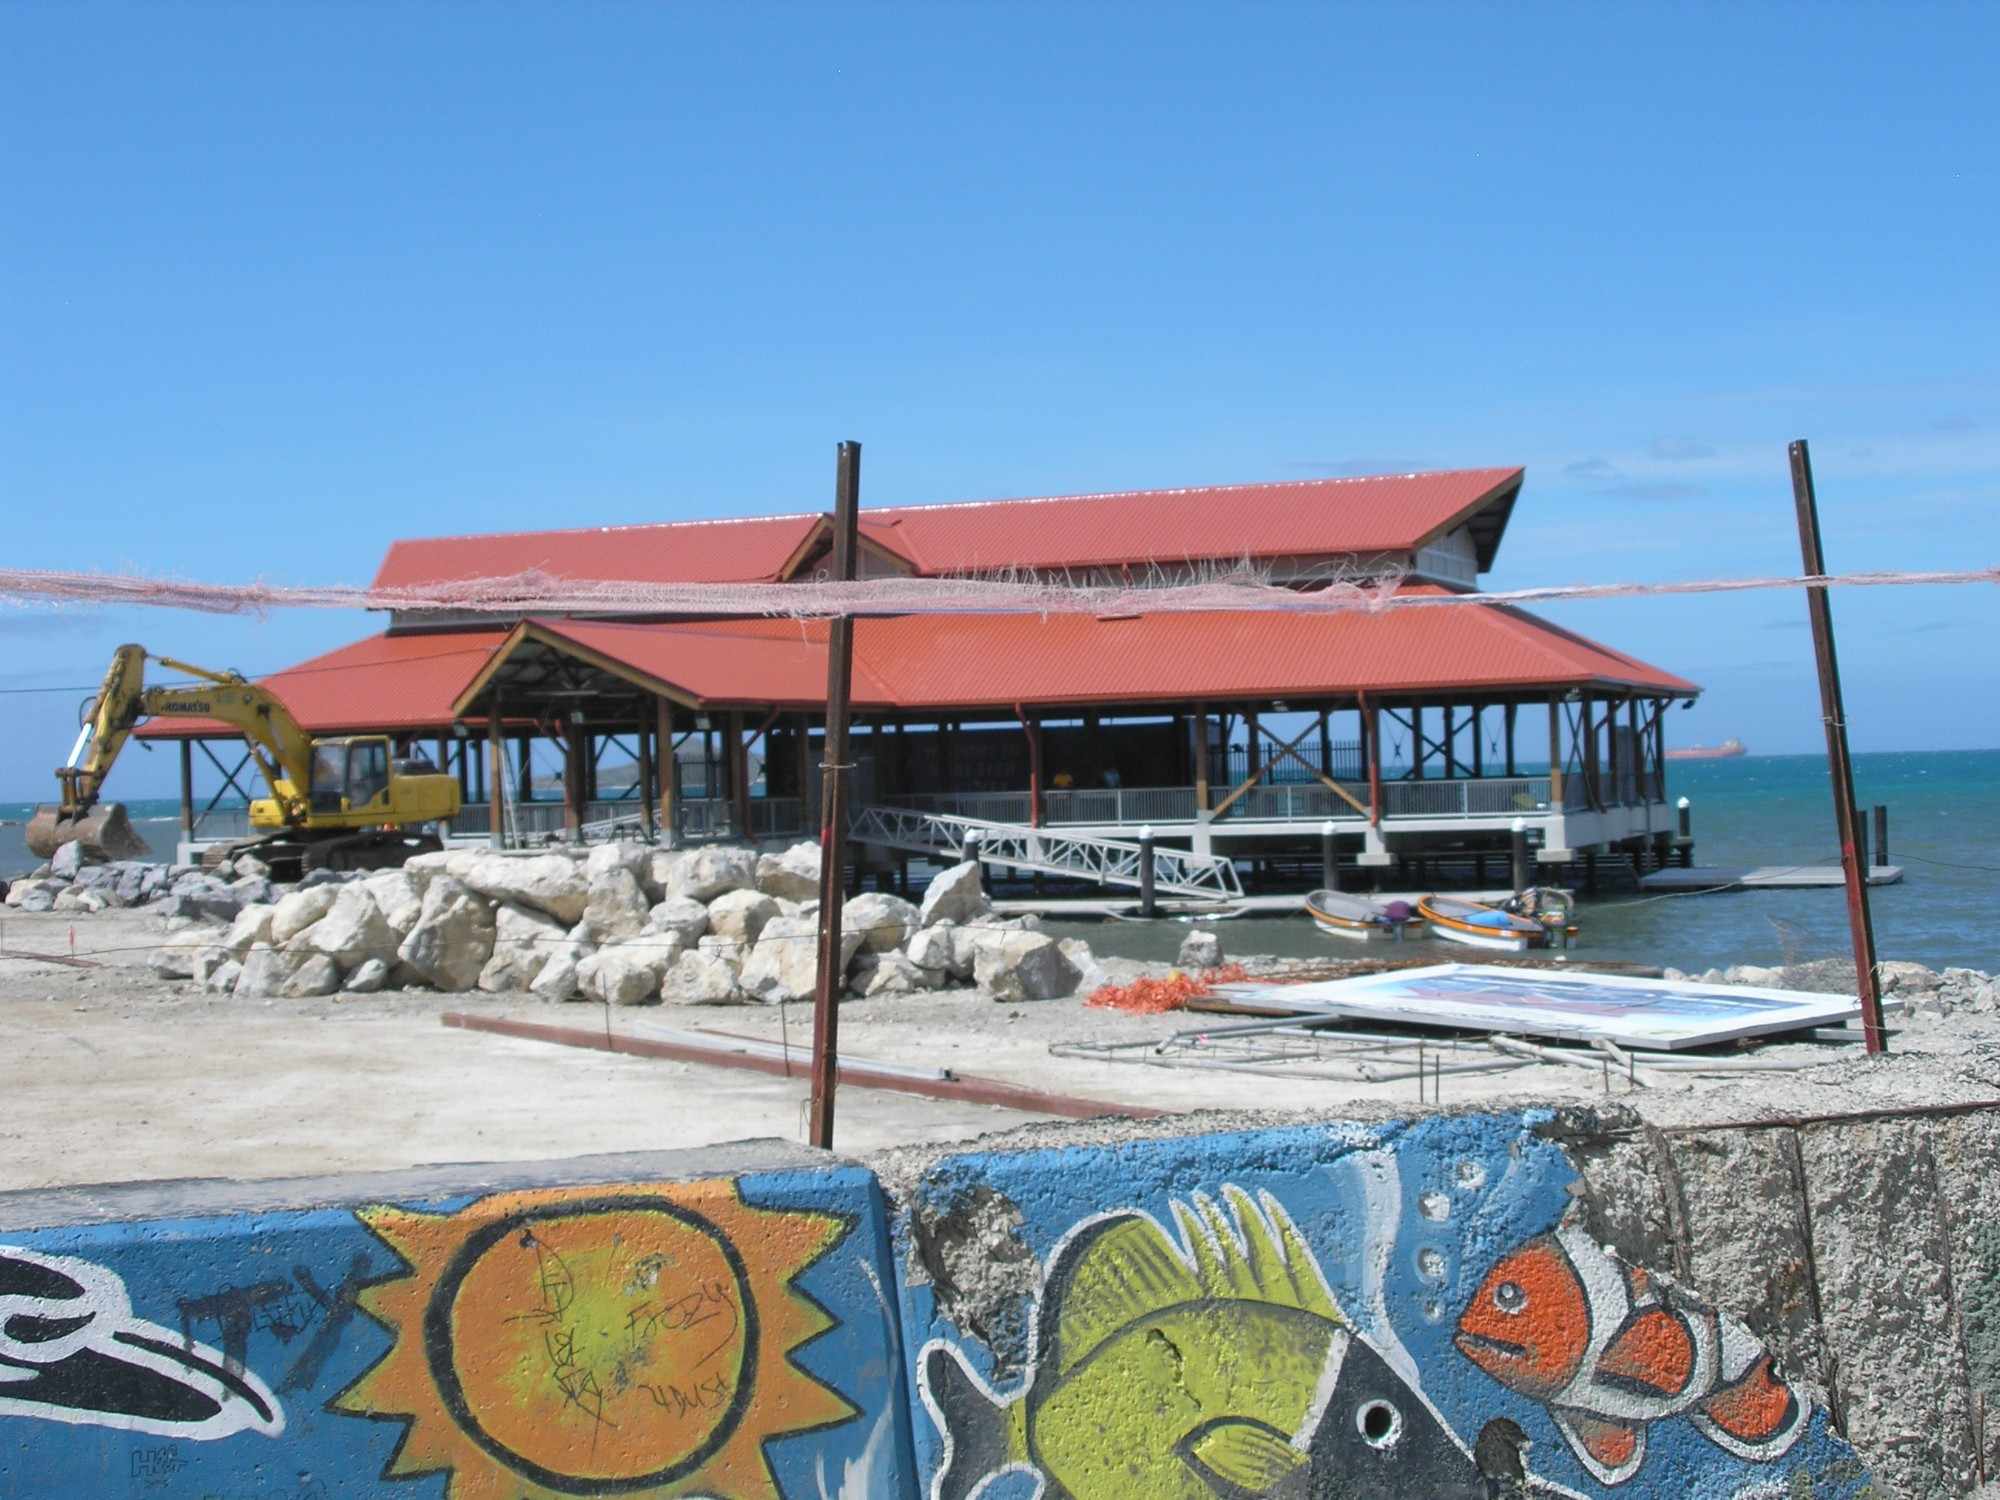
[{"x": 282, "y": 750}]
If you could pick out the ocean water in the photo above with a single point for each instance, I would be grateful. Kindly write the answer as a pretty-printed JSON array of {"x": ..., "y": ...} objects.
[{"x": 1944, "y": 830}]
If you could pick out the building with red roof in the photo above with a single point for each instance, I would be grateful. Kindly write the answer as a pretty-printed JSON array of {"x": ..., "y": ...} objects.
[{"x": 1419, "y": 731}]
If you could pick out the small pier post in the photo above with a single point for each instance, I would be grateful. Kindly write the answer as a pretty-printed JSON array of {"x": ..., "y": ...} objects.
[
  {"x": 1881, "y": 834},
  {"x": 1329, "y": 857},
  {"x": 1519, "y": 838}
]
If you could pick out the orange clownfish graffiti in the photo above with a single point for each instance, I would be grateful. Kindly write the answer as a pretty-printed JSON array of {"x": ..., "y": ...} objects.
[{"x": 1609, "y": 1350}]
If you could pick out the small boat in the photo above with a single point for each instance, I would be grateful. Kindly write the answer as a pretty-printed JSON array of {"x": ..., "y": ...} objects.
[
  {"x": 1357, "y": 917},
  {"x": 1537, "y": 918}
]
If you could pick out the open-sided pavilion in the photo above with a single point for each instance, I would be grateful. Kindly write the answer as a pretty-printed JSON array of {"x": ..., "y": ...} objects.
[{"x": 1417, "y": 733}]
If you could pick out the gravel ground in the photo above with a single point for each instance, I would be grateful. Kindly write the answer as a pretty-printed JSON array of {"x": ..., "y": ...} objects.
[{"x": 111, "y": 1074}]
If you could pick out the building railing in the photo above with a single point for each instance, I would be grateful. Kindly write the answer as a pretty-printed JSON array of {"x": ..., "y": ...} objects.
[
  {"x": 699, "y": 818},
  {"x": 1292, "y": 802}
]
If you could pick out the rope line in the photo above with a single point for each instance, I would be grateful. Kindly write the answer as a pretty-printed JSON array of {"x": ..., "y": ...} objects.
[{"x": 1217, "y": 588}]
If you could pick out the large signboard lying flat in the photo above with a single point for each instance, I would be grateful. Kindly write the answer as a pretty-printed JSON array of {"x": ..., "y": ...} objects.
[{"x": 1657, "y": 1014}]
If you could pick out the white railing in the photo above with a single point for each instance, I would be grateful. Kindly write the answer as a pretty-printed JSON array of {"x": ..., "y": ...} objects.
[{"x": 1176, "y": 872}]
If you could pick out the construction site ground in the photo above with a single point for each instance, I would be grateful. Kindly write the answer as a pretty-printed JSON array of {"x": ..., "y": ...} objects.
[{"x": 111, "y": 1074}]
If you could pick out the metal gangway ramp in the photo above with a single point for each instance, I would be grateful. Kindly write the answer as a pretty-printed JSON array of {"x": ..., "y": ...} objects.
[{"x": 1176, "y": 872}]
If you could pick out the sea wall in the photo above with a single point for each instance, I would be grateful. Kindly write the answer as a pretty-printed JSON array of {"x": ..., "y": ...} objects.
[{"x": 1536, "y": 1303}]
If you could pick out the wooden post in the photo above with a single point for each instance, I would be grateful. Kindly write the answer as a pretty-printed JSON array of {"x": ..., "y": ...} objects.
[
  {"x": 643, "y": 757},
  {"x": 1371, "y": 738},
  {"x": 1819, "y": 610},
  {"x": 1033, "y": 729},
  {"x": 832, "y": 973},
  {"x": 1591, "y": 780},
  {"x": 1201, "y": 760},
  {"x": 739, "y": 772},
  {"x": 1478, "y": 715},
  {"x": 1555, "y": 752},
  {"x": 1325, "y": 743},
  {"x": 572, "y": 746},
  {"x": 1416, "y": 742},
  {"x": 496, "y": 780},
  {"x": 1509, "y": 714},
  {"x": 187, "y": 789},
  {"x": 665, "y": 770}
]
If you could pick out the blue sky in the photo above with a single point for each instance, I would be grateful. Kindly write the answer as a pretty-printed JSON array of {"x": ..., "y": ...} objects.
[{"x": 279, "y": 283}]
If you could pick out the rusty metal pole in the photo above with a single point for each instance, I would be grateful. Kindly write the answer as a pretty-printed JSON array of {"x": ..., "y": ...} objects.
[
  {"x": 1860, "y": 924},
  {"x": 833, "y": 807}
]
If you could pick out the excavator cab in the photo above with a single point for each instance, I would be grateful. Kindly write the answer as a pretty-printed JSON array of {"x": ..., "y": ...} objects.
[{"x": 348, "y": 775}]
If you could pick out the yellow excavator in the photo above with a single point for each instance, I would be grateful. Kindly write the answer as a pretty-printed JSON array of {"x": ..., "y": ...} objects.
[{"x": 341, "y": 803}]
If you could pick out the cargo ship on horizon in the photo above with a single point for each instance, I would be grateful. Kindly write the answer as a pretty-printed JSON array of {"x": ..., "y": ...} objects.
[{"x": 1724, "y": 751}]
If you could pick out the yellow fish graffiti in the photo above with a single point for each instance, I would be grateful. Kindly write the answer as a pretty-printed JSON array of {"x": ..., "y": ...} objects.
[{"x": 1207, "y": 1361}]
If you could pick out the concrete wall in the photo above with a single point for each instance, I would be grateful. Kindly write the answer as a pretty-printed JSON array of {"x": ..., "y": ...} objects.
[{"x": 1420, "y": 1308}]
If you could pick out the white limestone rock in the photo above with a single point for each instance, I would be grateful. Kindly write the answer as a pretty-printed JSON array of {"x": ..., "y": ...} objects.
[
  {"x": 318, "y": 975},
  {"x": 557, "y": 979},
  {"x": 453, "y": 937},
  {"x": 78, "y": 898},
  {"x": 932, "y": 947},
  {"x": 792, "y": 875},
  {"x": 553, "y": 883},
  {"x": 252, "y": 925},
  {"x": 422, "y": 868},
  {"x": 369, "y": 977},
  {"x": 1200, "y": 950},
  {"x": 177, "y": 956},
  {"x": 1025, "y": 966},
  {"x": 617, "y": 976},
  {"x": 740, "y": 915},
  {"x": 266, "y": 971},
  {"x": 954, "y": 895},
  {"x": 398, "y": 897},
  {"x": 1753, "y": 974},
  {"x": 890, "y": 973},
  {"x": 223, "y": 980},
  {"x": 210, "y": 962},
  {"x": 727, "y": 949},
  {"x": 299, "y": 909},
  {"x": 966, "y": 946},
  {"x": 701, "y": 979},
  {"x": 685, "y": 919},
  {"x": 523, "y": 941},
  {"x": 785, "y": 962},
  {"x": 33, "y": 895},
  {"x": 353, "y": 930},
  {"x": 884, "y": 922},
  {"x": 705, "y": 873},
  {"x": 616, "y": 907},
  {"x": 623, "y": 854},
  {"x": 1090, "y": 974}
]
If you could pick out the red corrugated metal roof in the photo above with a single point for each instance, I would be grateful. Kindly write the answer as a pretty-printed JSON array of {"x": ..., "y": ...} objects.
[
  {"x": 385, "y": 682},
  {"x": 936, "y": 662},
  {"x": 1226, "y": 523},
  {"x": 1298, "y": 518},
  {"x": 752, "y": 550}
]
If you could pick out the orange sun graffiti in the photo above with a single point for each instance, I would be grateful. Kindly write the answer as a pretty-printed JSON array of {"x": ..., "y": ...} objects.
[{"x": 632, "y": 1341}]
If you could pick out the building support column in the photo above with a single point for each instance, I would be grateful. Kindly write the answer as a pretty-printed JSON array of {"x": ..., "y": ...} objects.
[
  {"x": 187, "y": 789},
  {"x": 1556, "y": 758},
  {"x": 1510, "y": 714},
  {"x": 1200, "y": 760},
  {"x": 496, "y": 796},
  {"x": 1033, "y": 729},
  {"x": 739, "y": 773},
  {"x": 666, "y": 768},
  {"x": 574, "y": 750}
]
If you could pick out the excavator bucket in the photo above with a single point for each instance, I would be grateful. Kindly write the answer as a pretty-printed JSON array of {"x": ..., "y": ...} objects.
[{"x": 105, "y": 831}]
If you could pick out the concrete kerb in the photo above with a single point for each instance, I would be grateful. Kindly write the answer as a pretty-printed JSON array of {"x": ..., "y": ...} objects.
[{"x": 1221, "y": 1305}]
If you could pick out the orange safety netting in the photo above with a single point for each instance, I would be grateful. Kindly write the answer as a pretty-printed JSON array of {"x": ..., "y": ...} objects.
[{"x": 1152, "y": 997}]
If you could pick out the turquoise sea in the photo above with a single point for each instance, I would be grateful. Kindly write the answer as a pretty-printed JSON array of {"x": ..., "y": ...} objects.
[{"x": 1944, "y": 830}]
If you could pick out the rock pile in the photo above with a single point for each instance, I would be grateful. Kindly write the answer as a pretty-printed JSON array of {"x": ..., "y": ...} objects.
[
  {"x": 622, "y": 924},
  {"x": 1924, "y": 992},
  {"x": 69, "y": 883}
]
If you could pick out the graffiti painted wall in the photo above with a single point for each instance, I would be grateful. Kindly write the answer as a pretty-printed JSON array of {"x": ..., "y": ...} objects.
[
  {"x": 1329, "y": 1311},
  {"x": 1325, "y": 1312},
  {"x": 645, "y": 1336}
]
